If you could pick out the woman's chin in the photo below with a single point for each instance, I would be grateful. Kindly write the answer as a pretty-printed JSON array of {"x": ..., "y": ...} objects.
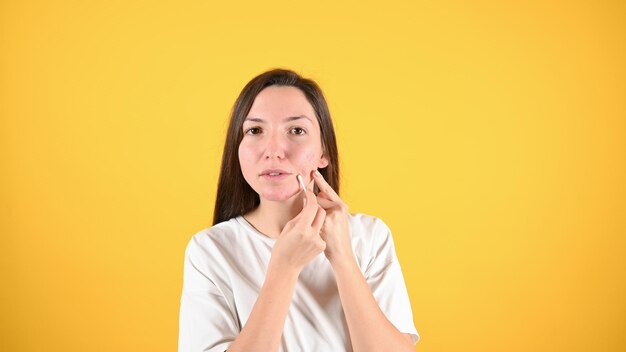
[{"x": 277, "y": 196}]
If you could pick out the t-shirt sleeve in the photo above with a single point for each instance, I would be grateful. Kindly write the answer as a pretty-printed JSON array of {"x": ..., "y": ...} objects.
[
  {"x": 206, "y": 322},
  {"x": 385, "y": 279}
]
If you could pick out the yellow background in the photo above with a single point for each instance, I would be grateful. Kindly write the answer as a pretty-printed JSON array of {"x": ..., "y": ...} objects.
[{"x": 489, "y": 136}]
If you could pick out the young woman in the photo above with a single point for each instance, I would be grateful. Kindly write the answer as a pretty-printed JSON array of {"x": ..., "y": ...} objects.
[{"x": 284, "y": 269}]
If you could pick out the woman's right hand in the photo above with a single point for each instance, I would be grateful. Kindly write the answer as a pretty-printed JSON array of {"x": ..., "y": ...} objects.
[{"x": 300, "y": 240}]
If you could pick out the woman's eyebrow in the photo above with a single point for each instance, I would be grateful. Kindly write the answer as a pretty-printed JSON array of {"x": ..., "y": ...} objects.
[
  {"x": 288, "y": 119},
  {"x": 293, "y": 118}
]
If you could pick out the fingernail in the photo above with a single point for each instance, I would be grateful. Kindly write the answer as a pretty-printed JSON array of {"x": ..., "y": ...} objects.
[
  {"x": 317, "y": 173},
  {"x": 304, "y": 200}
]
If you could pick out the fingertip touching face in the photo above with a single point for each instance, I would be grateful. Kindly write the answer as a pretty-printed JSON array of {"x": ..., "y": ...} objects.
[{"x": 281, "y": 138}]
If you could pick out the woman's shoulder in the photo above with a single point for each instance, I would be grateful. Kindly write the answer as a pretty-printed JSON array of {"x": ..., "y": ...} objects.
[
  {"x": 368, "y": 232},
  {"x": 371, "y": 240},
  {"x": 215, "y": 234},
  {"x": 367, "y": 223}
]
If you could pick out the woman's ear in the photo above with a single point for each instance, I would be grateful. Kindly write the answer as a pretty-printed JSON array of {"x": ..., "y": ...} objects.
[{"x": 323, "y": 162}]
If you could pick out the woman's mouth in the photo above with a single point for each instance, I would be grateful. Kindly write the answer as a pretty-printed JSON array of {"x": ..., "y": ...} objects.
[{"x": 275, "y": 175}]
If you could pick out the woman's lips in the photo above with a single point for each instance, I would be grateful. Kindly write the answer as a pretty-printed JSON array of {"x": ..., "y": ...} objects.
[{"x": 274, "y": 177}]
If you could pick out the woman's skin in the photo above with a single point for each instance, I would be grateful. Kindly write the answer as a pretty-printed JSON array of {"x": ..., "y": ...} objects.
[{"x": 282, "y": 132}]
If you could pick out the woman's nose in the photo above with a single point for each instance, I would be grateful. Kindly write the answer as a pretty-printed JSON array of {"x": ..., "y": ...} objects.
[{"x": 274, "y": 148}]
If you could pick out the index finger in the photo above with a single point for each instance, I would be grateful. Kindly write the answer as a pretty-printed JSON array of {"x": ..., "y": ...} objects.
[{"x": 325, "y": 187}]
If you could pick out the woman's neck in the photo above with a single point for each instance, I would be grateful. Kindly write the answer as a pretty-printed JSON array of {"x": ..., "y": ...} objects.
[{"x": 270, "y": 217}]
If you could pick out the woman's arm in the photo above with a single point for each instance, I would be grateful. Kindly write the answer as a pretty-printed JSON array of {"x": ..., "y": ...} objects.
[
  {"x": 264, "y": 327},
  {"x": 297, "y": 245},
  {"x": 369, "y": 328}
]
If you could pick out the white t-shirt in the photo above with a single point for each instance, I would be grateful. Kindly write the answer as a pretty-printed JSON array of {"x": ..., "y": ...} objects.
[{"x": 225, "y": 268}]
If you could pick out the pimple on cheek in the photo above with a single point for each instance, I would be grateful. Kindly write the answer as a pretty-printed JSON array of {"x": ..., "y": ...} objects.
[
  {"x": 309, "y": 162},
  {"x": 309, "y": 156}
]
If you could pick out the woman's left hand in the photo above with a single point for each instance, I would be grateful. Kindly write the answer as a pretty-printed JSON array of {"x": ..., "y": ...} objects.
[{"x": 336, "y": 229}]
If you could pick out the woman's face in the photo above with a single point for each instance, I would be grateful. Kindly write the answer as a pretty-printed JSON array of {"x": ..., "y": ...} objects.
[{"x": 281, "y": 138}]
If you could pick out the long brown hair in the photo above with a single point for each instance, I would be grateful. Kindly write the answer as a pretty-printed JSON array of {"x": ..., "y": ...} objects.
[{"x": 234, "y": 196}]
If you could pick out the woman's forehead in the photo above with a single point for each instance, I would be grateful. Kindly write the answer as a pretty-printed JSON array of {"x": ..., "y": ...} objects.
[{"x": 280, "y": 102}]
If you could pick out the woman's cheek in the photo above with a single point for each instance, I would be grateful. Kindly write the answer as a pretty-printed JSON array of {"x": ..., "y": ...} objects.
[
  {"x": 308, "y": 162},
  {"x": 244, "y": 159}
]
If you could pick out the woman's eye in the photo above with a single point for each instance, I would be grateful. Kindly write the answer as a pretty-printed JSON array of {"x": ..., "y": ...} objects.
[
  {"x": 298, "y": 131},
  {"x": 253, "y": 130}
]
